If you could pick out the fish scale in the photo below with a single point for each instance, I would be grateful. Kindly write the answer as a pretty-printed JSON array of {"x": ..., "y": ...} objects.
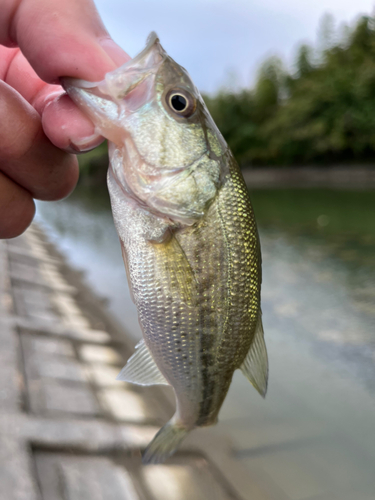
[{"x": 189, "y": 239}]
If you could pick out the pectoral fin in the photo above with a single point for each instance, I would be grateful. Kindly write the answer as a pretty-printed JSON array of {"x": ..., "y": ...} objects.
[
  {"x": 255, "y": 366},
  {"x": 173, "y": 260},
  {"x": 141, "y": 369}
]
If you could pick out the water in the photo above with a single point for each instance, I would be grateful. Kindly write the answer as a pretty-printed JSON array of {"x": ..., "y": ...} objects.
[{"x": 315, "y": 431}]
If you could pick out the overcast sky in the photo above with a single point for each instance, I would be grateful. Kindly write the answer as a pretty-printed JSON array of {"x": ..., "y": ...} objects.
[{"x": 214, "y": 38}]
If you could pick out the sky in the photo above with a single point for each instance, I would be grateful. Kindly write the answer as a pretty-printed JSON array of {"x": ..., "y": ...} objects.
[{"x": 222, "y": 43}]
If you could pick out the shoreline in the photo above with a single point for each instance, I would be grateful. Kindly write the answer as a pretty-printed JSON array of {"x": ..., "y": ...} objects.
[
  {"x": 338, "y": 177},
  {"x": 293, "y": 177}
]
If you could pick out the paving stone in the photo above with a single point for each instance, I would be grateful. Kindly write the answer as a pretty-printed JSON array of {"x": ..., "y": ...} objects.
[
  {"x": 51, "y": 274},
  {"x": 32, "y": 275},
  {"x": 4, "y": 279},
  {"x": 97, "y": 479},
  {"x": 127, "y": 405},
  {"x": 44, "y": 345},
  {"x": 16, "y": 479},
  {"x": 138, "y": 436},
  {"x": 35, "y": 243},
  {"x": 79, "y": 400},
  {"x": 132, "y": 403},
  {"x": 68, "y": 432},
  {"x": 105, "y": 375},
  {"x": 71, "y": 314},
  {"x": 86, "y": 334},
  {"x": 184, "y": 481},
  {"x": 83, "y": 478},
  {"x": 19, "y": 242},
  {"x": 59, "y": 369},
  {"x": 27, "y": 272},
  {"x": 24, "y": 255},
  {"x": 10, "y": 377},
  {"x": 56, "y": 328},
  {"x": 34, "y": 303},
  {"x": 99, "y": 354},
  {"x": 41, "y": 361},
  {"x": 48, "y": 396}
]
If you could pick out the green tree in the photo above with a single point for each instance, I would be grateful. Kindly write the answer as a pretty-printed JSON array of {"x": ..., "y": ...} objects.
[{"x": 324, "y": 113}]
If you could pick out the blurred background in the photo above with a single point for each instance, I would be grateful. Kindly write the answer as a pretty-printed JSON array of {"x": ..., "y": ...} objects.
[{"x": 291, "y": 85}]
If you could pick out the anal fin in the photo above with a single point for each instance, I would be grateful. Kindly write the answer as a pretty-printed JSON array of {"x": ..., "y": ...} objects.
[
  {"x": 255, "y": 366},
  {"x": 141, "y": 369}
]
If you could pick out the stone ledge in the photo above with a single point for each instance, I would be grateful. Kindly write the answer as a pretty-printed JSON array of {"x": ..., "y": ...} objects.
[
  {"x": 54, "y": 329},
  {"x": 16, "y": 251},
  {"x": 40, "y": 282}
]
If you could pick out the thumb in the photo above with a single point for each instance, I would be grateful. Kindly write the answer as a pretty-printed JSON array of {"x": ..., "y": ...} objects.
[{"x": 60, "y": 38}]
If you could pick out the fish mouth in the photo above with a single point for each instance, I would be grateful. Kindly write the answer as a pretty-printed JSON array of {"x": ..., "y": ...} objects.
[{"x": 122, "y": 91}]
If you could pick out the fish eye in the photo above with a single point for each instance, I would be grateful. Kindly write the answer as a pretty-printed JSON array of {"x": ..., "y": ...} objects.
[
  {"x": 181, "y": 102},
  {"x": 178, "y": 102}
]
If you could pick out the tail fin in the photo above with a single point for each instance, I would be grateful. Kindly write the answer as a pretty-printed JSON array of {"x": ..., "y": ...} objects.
[{"x": 164, "y": 443}]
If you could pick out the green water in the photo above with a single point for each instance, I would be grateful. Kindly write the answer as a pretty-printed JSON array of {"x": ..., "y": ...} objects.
[{"x": 322, "y": 212}]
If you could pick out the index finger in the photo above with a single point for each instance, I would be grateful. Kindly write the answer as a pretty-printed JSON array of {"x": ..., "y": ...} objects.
[{"x": 58, "y": 39}]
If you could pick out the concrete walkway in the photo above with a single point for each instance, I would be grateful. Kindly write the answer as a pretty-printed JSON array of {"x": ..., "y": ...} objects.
[{"x": 68, "y": 429}]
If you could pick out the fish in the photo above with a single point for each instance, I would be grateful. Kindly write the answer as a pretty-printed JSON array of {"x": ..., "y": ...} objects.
[{"x": 188, "y": 236}]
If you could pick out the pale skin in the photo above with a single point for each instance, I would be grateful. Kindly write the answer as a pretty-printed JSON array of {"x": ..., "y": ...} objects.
[{"x": 41, "y": 130}]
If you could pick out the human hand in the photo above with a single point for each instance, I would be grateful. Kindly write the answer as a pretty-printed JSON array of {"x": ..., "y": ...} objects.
[{"x": 41, "y": 41}]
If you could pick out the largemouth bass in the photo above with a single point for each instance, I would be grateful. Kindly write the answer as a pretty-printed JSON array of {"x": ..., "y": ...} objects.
[{"x": 188, "y": 236}]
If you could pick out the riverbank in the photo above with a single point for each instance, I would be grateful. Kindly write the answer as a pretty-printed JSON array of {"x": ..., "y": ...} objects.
[{"x": 334, "y": 177}]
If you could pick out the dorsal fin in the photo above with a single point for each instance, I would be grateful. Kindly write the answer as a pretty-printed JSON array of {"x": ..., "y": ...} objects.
[
  {"x": 141, "y": 369},
  {"x": 255, "y": 366}
]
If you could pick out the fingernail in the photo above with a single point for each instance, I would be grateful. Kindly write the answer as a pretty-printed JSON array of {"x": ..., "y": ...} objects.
[
  {"x": 85, "y": 144},
  {"x": 115, "y": 52},
  {"x": 42, "y": 101}
]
